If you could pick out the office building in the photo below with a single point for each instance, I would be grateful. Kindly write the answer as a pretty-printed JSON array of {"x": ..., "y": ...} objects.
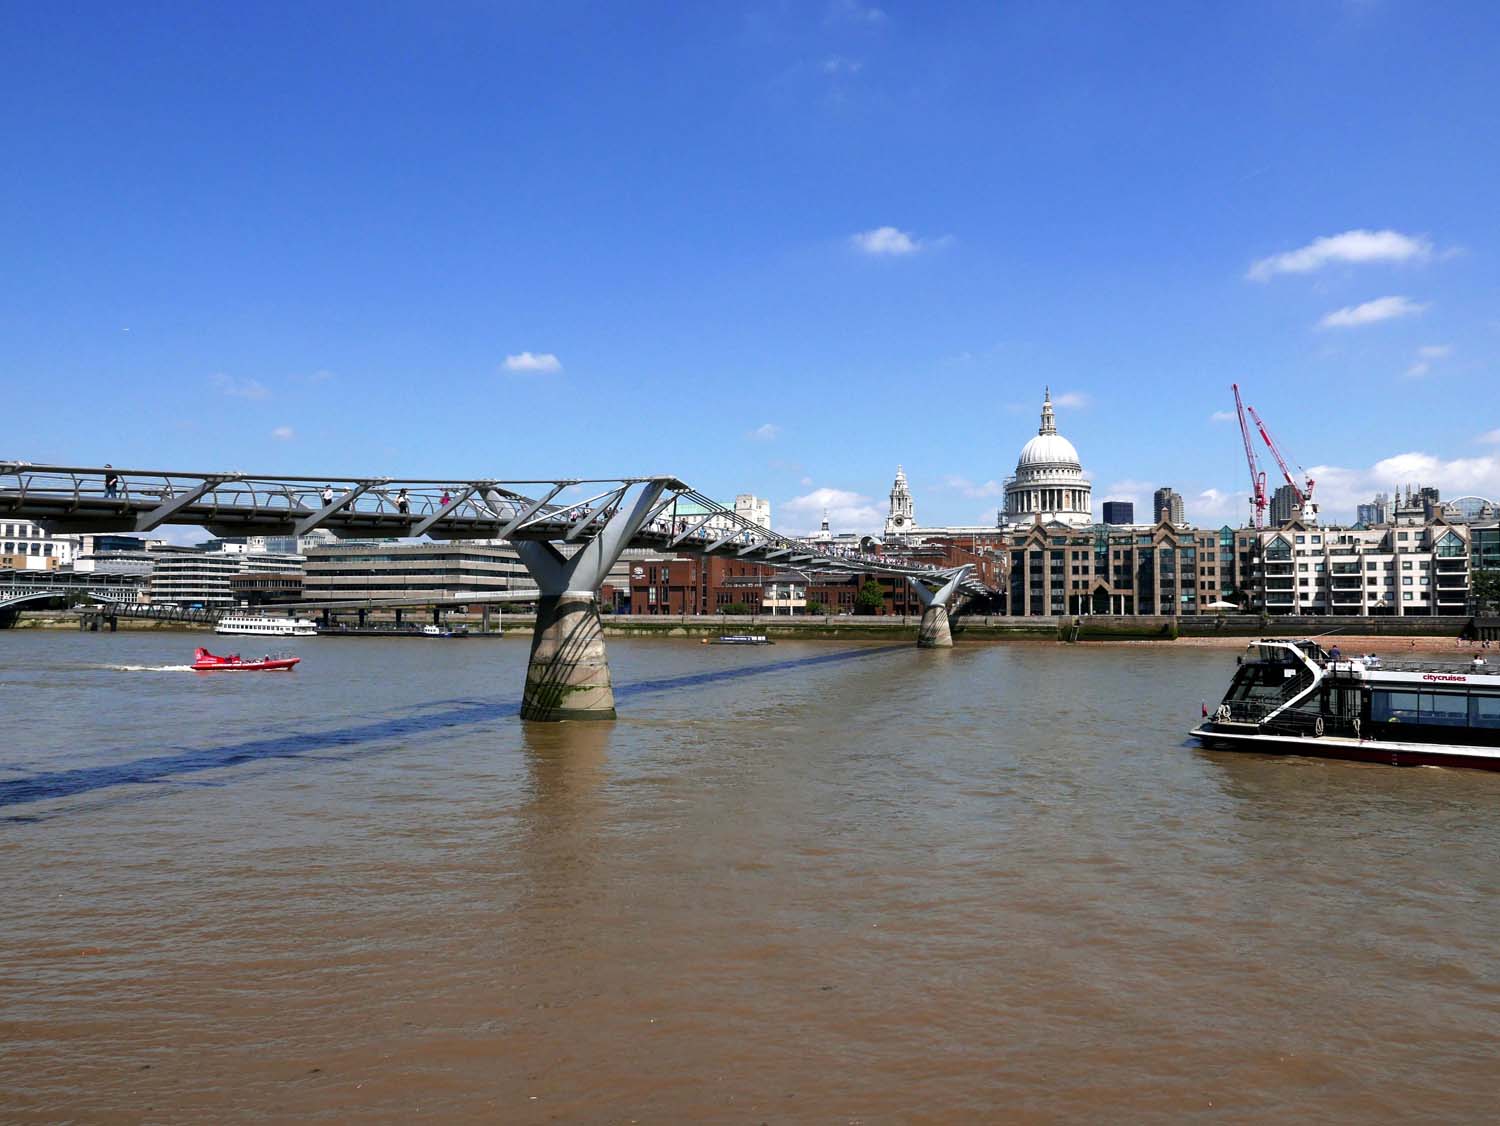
[
  {"x": 413, "y": 570},
  {"x": 1119, "y": 512},
  {"x": 1166, "y": 504}
]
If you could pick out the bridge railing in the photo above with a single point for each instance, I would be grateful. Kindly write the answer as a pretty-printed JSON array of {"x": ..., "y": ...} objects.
[{"x": 561, "y": 510}]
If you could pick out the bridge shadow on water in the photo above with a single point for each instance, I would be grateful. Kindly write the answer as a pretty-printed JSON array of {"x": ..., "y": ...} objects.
[{"x": 357, "y": 738}]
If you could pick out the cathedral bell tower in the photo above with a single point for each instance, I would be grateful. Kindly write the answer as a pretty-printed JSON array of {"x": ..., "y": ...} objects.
[{"x": 901, "y": 520}]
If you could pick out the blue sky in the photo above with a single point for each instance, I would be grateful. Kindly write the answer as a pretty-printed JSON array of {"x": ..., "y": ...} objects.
[{"x": 770, "y": 248}]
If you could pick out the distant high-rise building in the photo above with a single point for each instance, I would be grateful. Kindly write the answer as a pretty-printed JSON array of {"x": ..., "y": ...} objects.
[
  {"x": 1283, "y": 504},
  {"x": 1119, "y": 512},
  {"x": 1377, "y": 511},
  {"x": 1167, "y": 501}
]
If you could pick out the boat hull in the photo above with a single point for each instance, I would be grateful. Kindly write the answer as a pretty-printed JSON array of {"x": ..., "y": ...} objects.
[
  {"x": 1387, "y": 752},
  {"x": 284, "y": 665},
  {"x": 204, "y": 661}
]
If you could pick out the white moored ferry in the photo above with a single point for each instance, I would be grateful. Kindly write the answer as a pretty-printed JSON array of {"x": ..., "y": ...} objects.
[
  {"x": 258, "y": 625},
  {"x": 1293, "y": 697}
]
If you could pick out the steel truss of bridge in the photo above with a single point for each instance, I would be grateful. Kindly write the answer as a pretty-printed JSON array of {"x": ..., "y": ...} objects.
[{"x": 568, "y": 532}]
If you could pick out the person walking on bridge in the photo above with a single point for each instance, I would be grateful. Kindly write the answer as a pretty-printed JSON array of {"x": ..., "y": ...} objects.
[
  {"x": 327, "y": 494},
  {"x": 403, "y": 503},
  {"x": 111, "y": 482}
]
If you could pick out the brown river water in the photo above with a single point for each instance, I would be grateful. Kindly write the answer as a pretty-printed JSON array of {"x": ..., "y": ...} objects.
[{"x": 803, "y": 883}]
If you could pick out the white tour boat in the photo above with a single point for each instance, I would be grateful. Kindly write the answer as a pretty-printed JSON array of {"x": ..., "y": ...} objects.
[
  {"x": 1292, "y": 697},
  {"x": 263, "y": 626}
]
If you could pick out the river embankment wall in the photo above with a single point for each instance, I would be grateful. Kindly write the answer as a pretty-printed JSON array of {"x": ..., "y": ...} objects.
[{"x": 967, "y": 627}]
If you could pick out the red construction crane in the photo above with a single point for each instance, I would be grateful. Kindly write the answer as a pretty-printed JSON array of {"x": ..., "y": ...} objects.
[
  {"x": 1303, "y": 491},
  {"x": 1257, "y": 475}
]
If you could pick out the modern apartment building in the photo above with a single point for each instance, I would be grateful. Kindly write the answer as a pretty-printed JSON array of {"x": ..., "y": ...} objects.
[
  {"x": 26, "y": 546},
  {"x": 1396, "y": 569}
]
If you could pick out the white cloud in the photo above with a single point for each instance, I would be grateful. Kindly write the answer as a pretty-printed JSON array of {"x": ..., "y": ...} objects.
[
  {"x": 1138, "y": 493},
  {"x": 1339, "y": 489},
  {"x": 1215, "y": 506},
  {"x": 1425, "y": 357},
  {"x": 1350, "y": 247},
  {"x": 970, "y": 489},
  {"x": 805, "y": 482},
  {"x": 847, "y": 512},
  {"x": 838, "y": 65},
  {"x": 240, "y": 388},
  {"x": 765, "y": 432},
  {"x": 544, "y": 362},
  {"x": 283, "y": 433},
  {"x": 852, "y": 11},
  {"x": 1077, "y": 400},
  {"x": 885, "y": 241},
  {"x": 1491, "y": 437},
  {"x": 1380, "y": 309},
  {"x": 1223, "y": 416}
]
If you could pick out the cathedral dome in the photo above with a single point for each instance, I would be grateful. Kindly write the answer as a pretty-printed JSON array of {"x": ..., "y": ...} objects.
[
  {"x": 1048, "y": 449},
  {"x": 1048, "y": 485}
]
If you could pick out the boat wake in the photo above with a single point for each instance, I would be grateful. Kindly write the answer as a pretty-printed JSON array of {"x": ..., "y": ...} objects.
[{"x": 148, "y": 668}]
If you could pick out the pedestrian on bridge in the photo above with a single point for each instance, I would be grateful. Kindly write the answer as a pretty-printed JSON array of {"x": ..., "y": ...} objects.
[
  {"x": 403, "y": 503},
  {"x": 327, "y": 494},
  {"x": 111, "y": 482}
]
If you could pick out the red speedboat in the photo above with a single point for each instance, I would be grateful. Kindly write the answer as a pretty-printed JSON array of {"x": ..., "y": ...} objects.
[{"x": 204, "y": 661}]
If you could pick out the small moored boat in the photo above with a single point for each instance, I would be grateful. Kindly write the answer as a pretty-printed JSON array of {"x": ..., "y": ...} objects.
[
  {"x": 743, "y": 639},
  {"x": 204, "y": 661}
]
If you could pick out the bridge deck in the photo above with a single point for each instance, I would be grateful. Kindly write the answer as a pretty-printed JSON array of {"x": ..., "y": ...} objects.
[{"x": 560, "y": 511}]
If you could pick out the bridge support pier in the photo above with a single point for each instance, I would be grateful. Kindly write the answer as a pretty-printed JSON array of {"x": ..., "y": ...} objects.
[
  {"x": 936, "y": 631},
  {"x": 568, "y": 674}
]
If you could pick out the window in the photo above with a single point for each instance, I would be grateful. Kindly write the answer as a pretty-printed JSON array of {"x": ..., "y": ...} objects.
[
  {"x": 1450, "y": 710},
  {"x": 1301, "y": 539},
  {"x": 1484, "y": 711},
  {"x": 1406, "y": 597},
  {"x": 1406, "y": 581},
  {"x": 1393, "y": 707}
]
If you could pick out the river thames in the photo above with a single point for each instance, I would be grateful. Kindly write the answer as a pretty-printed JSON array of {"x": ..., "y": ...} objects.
[{"x": 812, "y": 882}]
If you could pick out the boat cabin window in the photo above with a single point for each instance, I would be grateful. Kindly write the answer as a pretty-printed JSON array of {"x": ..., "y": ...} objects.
[
  {"x": 1452, "y": 710},
  {"x": 1263, "y": 683},
  {"x": 1440, "y": 709},
  {"x": 1484, "y": 711},
  {"x": 1387, "y": 706}
]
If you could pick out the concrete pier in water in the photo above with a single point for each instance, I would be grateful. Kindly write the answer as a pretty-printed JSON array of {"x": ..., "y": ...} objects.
[{"x": 568, "y": 674}]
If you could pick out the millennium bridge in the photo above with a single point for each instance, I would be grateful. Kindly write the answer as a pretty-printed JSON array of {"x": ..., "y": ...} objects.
[{"x": 568, "y": 533}]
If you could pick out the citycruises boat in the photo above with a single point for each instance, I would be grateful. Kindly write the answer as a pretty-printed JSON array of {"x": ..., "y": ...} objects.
[
  {"x": 257, "y": 625},
  {"x": 1293, "y": 697},
  {"x": 204, "y": 661},
  {"x": 743, "y": 639}
]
